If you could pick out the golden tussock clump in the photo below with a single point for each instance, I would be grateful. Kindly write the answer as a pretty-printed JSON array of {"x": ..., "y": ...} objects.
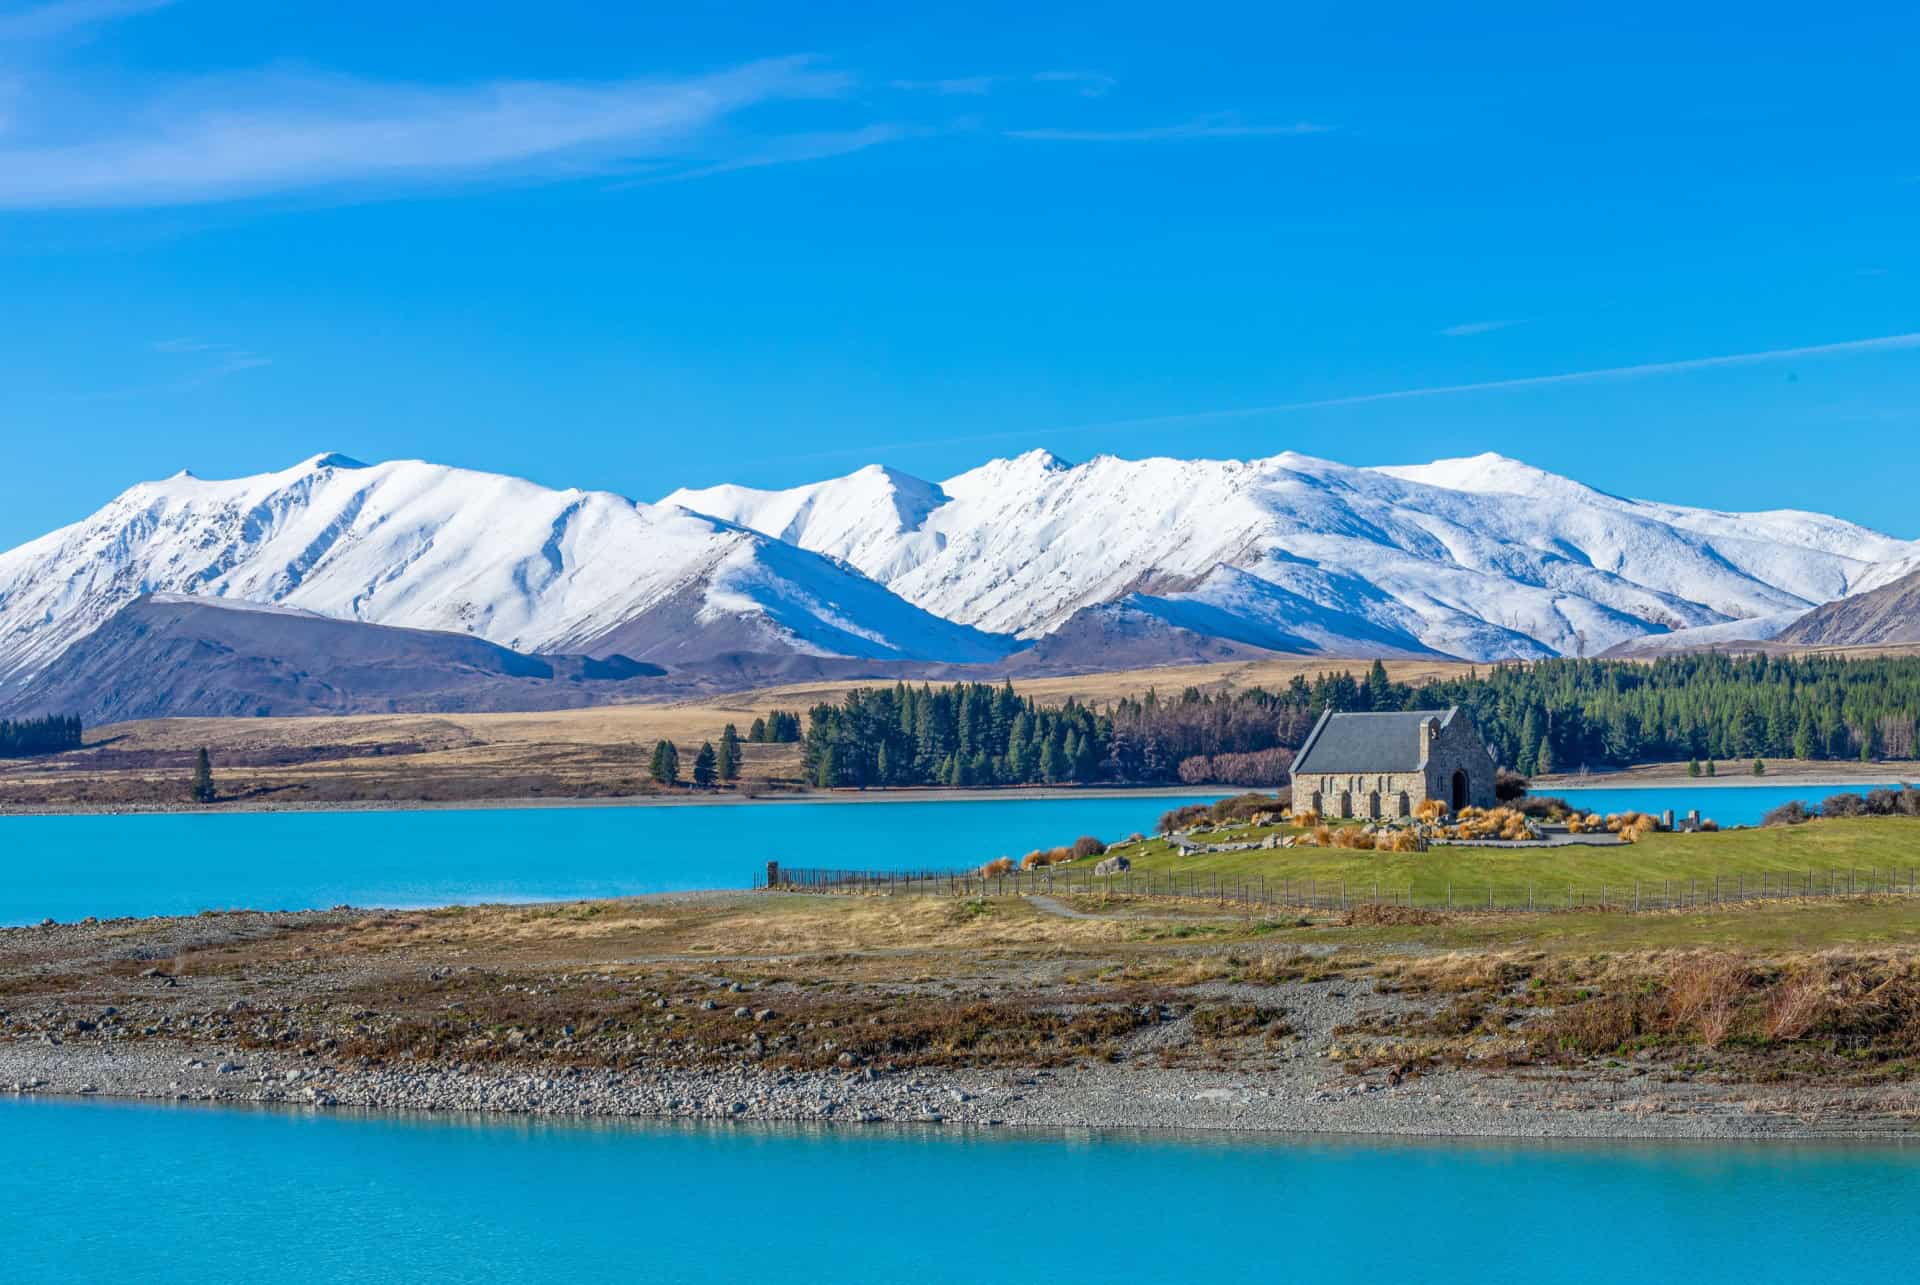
[
  {"x": 1430, "y": 810},
  {"x": 1047, "y": 857},
  {"x": 1306, "y": 819},
  {"x": 1492, "y": 823},
  {"x": 997, "y": 866}
]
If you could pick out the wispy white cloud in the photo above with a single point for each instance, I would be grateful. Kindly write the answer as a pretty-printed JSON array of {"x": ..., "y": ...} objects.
[
  {"x": 790, "y": 148},
  {"x": 1090, "y": 84},
  {"x": 220, "y": 360},
  {"x": 1219, "y": 125},
  {"x": 199, "y": 362},
  {"x": 949, "y": 87},
  {"x": 68, "y": 17},
  {"x": 1465, "y": 328},
  {"x": 1879, "y": 344},
  {"x": 235, "y": 136}
]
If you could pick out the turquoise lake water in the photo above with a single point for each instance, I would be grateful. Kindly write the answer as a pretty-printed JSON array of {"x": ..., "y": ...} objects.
[
  {"x": 106, "y": 1191},
  {"x": 68, "y": 867},
  {"x": 1728, "y": 804}
]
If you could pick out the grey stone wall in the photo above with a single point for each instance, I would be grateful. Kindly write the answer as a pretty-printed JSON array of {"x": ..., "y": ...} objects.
[
  {"x": 1458, "y": 748},
  {"x": 1390, "y": 796}
]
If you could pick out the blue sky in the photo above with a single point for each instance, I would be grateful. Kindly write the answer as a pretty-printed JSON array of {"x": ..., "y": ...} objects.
[{"x": 632, "y": 248}]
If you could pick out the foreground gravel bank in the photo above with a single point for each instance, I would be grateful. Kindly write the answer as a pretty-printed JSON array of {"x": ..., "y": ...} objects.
[
  {"x": 897, "y": 1010},
  {"x": 1447, "y": 1104}
]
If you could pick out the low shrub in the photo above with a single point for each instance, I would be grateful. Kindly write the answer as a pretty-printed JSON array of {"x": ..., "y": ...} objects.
[
  {"x": 1182, "y": 818},
  {"x": 1242, "y": 807},
  {"x": 1800, "y": 1003},
  {"x": 1791, "y": 813},
  {"x": 1704, "y": 992},
  {"x": 1843, "y": 805},
  {"x": 1544, "y": 807},
  {"x": 1087, "y": 846}
]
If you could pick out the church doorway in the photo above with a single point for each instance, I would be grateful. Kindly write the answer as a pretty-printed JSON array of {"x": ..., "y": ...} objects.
[{"x": 1460, "y": 795}]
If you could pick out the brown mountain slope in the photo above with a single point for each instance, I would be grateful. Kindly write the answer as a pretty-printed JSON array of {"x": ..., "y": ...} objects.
[{"x": 1885, "y": 616}]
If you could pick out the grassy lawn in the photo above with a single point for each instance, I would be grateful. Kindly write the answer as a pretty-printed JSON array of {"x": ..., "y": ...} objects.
[
  {"x": 1766, "y": 927},
  {"x": 1878, "y": 843}
]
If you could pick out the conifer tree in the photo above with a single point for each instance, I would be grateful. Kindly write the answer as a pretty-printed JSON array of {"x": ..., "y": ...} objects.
[
  {"x": 203, "y": 790},
  {"x": 728, "y": 763},
  {"x": 665, "y": 768},
  {"x": 758, "y": 732},
  {"x": 705, "y": 766}
]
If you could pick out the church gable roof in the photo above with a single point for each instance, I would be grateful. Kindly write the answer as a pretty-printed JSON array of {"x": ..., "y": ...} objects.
[{"x": 1366, "y": 742}]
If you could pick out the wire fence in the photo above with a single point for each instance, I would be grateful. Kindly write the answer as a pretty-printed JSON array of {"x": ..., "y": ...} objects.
[{"x": 1257, "y": 892}]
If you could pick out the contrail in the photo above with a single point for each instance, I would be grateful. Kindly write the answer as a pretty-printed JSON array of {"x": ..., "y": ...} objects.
[{"x": 1885, "y": 343}]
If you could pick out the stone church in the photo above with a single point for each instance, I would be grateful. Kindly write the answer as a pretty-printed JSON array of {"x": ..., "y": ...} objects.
[{"x": 1383, "y": 766}]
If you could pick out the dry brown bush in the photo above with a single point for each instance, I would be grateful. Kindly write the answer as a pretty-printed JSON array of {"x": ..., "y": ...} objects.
[
  {"x": 1368, "y": 914},
  {"x": 1704, "y": 993},
  {"x": 1800, "y": 1003}
]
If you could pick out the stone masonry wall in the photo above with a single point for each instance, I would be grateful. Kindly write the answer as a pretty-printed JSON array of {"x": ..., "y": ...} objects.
[
  {"x": 1390, "y": 796},
  {"x": 1459, "y": 748}
]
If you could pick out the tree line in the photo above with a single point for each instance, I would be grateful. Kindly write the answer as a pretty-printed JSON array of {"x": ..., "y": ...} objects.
[
  {"x": 1539, "y": 717},
  {"x": 1560, "y": 715},
  {"x": 20, "y": 738}
]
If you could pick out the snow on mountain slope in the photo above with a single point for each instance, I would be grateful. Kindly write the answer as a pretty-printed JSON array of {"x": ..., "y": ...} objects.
[
  {"x": 856, "y": 518},
  {"x": 424, "y": 546},
  {"x": 1483, "y": 557},
  {"x": 1705, "y": 637}
]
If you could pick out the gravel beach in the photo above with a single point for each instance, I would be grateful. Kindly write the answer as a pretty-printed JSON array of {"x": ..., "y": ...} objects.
[{"x": 141, "y": 1031}]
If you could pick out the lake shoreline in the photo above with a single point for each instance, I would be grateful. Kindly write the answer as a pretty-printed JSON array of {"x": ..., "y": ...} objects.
[
  {"x": 1665, "y": 776},
  {"x": 719, "y": 798},
  {"x": 777, "y": 1008},
  {"x": 1148, "y": 1100}
]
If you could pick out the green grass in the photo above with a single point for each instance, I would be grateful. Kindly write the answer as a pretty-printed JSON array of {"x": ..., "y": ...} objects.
[
  {"x": 1763, "y": 926},
  {"x": 1863, "y": 844}
]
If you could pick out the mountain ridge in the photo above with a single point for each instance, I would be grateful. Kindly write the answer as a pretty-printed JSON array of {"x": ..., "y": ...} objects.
[
  {"x": 1482, "y": 557},
  {"x": 1024, "y": 564}
]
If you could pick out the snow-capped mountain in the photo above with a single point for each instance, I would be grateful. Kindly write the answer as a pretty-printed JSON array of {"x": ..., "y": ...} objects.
[
  {"x": 1105, "y": 563},
  {"x": 424, "y": 546},
  {"x": 1483, "y": 558}
]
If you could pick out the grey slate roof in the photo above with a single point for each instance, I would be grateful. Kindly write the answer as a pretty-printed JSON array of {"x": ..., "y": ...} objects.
[{"x": 1366, "y": 742}]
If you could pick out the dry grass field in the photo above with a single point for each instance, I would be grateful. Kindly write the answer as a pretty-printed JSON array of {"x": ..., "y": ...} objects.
[{"x": 581, "y": 753}]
